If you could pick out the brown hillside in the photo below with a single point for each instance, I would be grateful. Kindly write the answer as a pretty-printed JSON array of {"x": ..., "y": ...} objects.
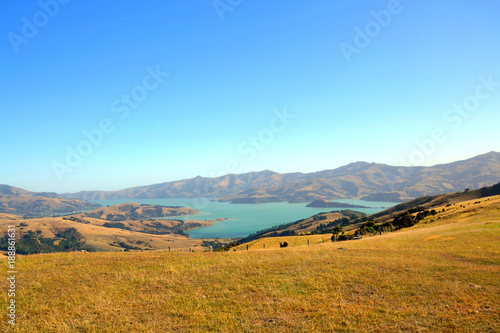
[
  {"x": 17, "y": 201},
  {"x": 135, "y": 211},
  {"x": 437, "y": 201},
  {"x": 145, "y": 235}
]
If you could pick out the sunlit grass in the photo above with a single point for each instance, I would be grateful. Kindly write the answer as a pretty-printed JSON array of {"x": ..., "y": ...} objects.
[{"x": 436, "y": 277}]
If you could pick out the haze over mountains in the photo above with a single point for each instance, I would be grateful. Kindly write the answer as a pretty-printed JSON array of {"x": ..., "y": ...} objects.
[{"x": 368, "y": 181}]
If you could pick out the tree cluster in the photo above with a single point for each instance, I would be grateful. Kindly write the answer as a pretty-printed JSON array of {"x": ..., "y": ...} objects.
[
  {"x": 407, "y": 220},
  {"x": 33, "y": 242}
]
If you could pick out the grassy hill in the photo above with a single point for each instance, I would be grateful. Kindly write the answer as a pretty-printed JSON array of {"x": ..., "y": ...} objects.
[
  {"x": 314, "y": 224},
  {"x": 135, "y": 211},
  {"x": 437, "y": 201},
  {"x": 17, "y": 201},
  {"x": 116, "y": 228},
  {"x": 105, "y": 238},
  {"x": 351, "y": 220},
  {"x": 444, "y": 213},
  {"x": 438, "y": 276}
]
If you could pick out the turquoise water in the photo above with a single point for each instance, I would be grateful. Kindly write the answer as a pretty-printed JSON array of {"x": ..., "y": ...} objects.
[{"x": 244, "y": 219}]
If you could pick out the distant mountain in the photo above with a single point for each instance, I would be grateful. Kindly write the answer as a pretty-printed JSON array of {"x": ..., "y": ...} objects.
[
  {"x": 369, "y": 181},
  {"x": 14, "y": 200}
]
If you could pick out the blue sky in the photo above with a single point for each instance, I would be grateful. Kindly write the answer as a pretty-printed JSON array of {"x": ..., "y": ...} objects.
[{"x": 251, "y": 85}]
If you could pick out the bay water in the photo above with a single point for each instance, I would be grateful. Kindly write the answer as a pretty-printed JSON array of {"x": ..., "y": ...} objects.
[{"x": 244, "y": 219}]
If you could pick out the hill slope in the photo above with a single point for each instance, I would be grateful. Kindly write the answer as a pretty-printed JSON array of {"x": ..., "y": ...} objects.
[
  {"x": 351, "y": 220},
  {"x": 17, "y": 201},
  {"x": 103, "y": 235},
  {"x": 435, "y": 201},
  {"x": 371, "y": 181},
  {"x": 435, "y": 277},
  {"x": 114, "y": 228},
  {"x": 135, "y": 211}
]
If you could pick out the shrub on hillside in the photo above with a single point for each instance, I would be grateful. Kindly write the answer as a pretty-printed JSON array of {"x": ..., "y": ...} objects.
[
  {"x": 344, "y": 237},
  {"x": 404, "y": 220},
  {"x": 231, "y": 245},
  {"x": 407, "y": 220},
  {"x": 368, "y": 227},
  {"x": 117, "y": 225},
  {"x": 216, "y": 245}
]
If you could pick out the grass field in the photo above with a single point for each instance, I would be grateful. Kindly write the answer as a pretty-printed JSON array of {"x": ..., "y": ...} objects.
[{"x": 441, "y": 276}]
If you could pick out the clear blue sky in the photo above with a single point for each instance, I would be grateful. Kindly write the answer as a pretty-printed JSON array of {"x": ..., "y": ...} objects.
[{"x": 358, "y": 88}]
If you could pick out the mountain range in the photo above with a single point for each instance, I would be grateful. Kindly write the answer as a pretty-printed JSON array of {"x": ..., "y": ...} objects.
[{"x": 361, "y": 180}]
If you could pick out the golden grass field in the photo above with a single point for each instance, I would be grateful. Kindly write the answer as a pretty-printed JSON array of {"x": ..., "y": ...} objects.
[{"x": 441, "y": 276}]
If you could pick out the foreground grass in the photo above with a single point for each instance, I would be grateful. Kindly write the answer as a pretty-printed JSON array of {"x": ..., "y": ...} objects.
[
  {"x": 274, "y": 242},
  {"x": 437, "y": 277}
]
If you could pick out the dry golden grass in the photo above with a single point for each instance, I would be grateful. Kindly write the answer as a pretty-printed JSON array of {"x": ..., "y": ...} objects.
[
  {"x": 274, "y": 242},
  {"x": 435, "y": 277},
  {"x": 99, "y": 236}
]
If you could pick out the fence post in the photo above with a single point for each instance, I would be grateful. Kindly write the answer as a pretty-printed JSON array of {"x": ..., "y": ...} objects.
[
  {"x": 247, "y": 247},
  {"x": 264, "y": 245},
  {"x": 308, "y": 241},
  {"x": 210, "y": 248},
  {"x": 169, "y": 248}
]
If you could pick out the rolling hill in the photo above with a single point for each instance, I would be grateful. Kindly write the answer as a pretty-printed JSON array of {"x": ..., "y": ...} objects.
[
  {"x": 430, "y": 202},
  {"x": 14, "y": 200},
  {"x": 369, "y": 181},
  {"x": 135, "y": 211},
  {"x": 103, "y": 235},
  {"x": 437, "y": 276},
  {"x": 350, "y": 220},
  {"x": 485, "y": 210},
  {"x": 113, "y": 228}
]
